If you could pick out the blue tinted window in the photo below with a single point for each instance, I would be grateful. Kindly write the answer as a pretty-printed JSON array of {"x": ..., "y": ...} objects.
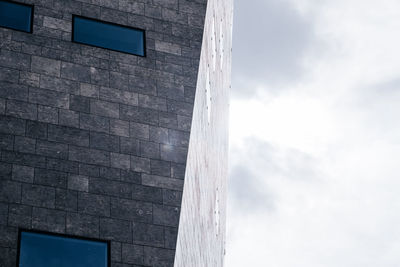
[
  {"x": 108, "y": 35},
  {"x": 16, "y": 16},
  {"x": 38, "y": 250}
]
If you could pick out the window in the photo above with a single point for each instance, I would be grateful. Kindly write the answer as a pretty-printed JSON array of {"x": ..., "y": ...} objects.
[
  {"x": 108, "y": 35},
  {"x": 38, "y": 249},
  {"x": 16, "y": 16}
]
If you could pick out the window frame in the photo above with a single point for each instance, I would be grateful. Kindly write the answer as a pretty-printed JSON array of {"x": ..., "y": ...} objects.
[
  {"x": 20, "y": 230},
  {"x": 110, "y": 23},
  {"x": 32, "y": 6}
]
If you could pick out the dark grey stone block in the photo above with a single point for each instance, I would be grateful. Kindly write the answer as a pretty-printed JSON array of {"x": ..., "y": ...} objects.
[
  {"x": 149, "y": 150},
  {"x": 111, "y": 188},
  {"x": 8, "y": 257},
  {"x": 110, "y": 173},
  {"x": 48, "y": 220},
  {"x": 165, "y": 215},
  {"x": 148, "y": 234},
  {"x": 152, "y": 102},
  {"x": 15, "y": 60},
  {"x": 6, "y": 141},
  {"x": 129, "y": 146},
  {"x": 179, "y": 107},
  {"x": 48, "y": 97},
  {"x": 20, "y": 215},
  {"x": 120, "y": 161},
  {"x": 83, "y": 225},
  {"x": 172, "y": 197},
  {"x": 94, "y": 204},
  {"x": 69, "y": 118},
  {"x": 184, "y": 123},
  {"x": 10, "y": 191},
  {"x": 168, "y": 120},
  {"x": 89, "y": 170},
  {"x": 38, "y": 195},
  {"x": 131, "y": 210},
  {"x": 119, "y": 81},
  {"x": 118, "y": 96},
  {"x": 47, "y": 114},
  {"x": 22, "y": 173},
  {"x": 23, "y": 159},
  {"x": 2, "y": 106},
  {"x": 21, "y": 110},
  {"x": 104, "y": 142},
  {"x": 131, "y": 177},
  {"x": 115, "y": 251},
  {"x": 5, "y": 171},
  {"x": 46, "y": 66},
  {"x": 75, "y": 72},
  {"x": 52, "y": 149},
  {"x": 132, "y": 254},
  {"x": 116, "y": 230},
  {"x": 68, "y": 135},
  {"x": 79, "y": 103},
  {"x": 66, "y": 200},
  {"x": 105, "y": 109},
  {"x": 137, "y": 114},
  {"x": 178, "y": 138},
  {"x": 139, "y": 164},
  {"x": 175, "y": 154},
  {"x": 9, "y": 75},
  {"x": 94, "y": 123},
  {"x": 89, "y": 156},
  {"x": 3, "y": 213},
  {"x": 119, "y": 127},
  {"x": 24, "y": 144},
  {"x": 36, "y": 129},
  {"x": 147, "y": 193},
  {"x": 60, "y": 85},
  {"x": 159, "y": 134},
  {"x": 8, "y": 236},
  {"x": 62, "y": 165},
  {"x": 89, "y": 90},
  {"x": 78, "y": 182},
  {"x": 13, "y": 91},
  {"x": 162, "y": 182},
  {"x": 131, "y": 7},
  {"x": 160, "y": 167},
  {"x": 170, "y": 237},
  {"x": 158, "y": 257}
]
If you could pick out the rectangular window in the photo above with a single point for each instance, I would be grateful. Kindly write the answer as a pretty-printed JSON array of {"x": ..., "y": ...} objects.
[
  {"x": 16, "y": 16},
  {"x": 38, "y": 249},
  {"x": 108, "y": 35}
]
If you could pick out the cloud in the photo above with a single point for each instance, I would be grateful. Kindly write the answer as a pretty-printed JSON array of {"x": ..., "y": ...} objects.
[
  {"x": 321, "y": 151},
  {"x": 258, "y": 167},
  {"x": 269, "y": 40}
]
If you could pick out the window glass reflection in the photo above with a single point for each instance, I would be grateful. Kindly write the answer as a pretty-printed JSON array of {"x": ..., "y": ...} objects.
[
  {"x": 108, "y": 35},
  {"x": 38, "y": 250},
  {"x": 16, "y": 16}
]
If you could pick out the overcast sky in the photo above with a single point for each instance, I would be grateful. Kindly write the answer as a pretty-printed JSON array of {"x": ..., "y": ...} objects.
[{"x": 315, "y": 134}]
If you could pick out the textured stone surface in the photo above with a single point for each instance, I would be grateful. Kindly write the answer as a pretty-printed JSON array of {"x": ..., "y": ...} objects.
[
  {"x": 94, "y": 142},
  {"x": 201, "y": 236}
]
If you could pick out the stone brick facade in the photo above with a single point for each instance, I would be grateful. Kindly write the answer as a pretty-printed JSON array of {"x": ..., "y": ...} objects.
[{"x": 94, "y": 142}]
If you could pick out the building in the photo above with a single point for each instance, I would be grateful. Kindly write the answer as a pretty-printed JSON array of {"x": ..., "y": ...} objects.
[{"x": 117, "y": 145}]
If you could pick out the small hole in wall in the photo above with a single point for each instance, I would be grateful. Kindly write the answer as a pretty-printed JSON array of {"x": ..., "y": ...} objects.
[
  {"x": 221, "y": 46},
  {"x": 217, "y": 211},
  {"x": 213, "y": 43},
  {"x": 208, "y": 95}
]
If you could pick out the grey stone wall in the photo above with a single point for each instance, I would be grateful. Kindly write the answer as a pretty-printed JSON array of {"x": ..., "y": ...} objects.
[{"x": 94, "y": 142}]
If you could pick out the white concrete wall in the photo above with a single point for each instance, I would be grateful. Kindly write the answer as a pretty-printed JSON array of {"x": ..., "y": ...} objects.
[{"x": 201, "y": 234}]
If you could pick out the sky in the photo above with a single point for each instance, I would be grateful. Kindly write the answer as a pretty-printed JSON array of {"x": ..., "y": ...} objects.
[{"x": 315, "y": 134}]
